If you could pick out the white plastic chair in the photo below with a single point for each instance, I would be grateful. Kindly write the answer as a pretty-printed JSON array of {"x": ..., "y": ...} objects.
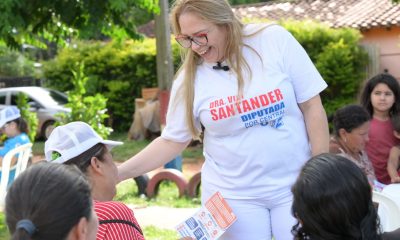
[
  {"x": 22, "y": 153},
  {"x": 393, "y": 192},
  {"x": 388, "y": 211}
]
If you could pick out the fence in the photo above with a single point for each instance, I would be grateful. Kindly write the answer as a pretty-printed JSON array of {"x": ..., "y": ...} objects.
[{"x": 374, "y": 60}]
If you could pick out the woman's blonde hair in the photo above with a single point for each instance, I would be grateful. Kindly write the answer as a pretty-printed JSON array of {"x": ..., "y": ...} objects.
[{"x": 220, "y": 13}]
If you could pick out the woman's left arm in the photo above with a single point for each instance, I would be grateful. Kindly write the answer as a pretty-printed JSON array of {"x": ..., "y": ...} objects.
[{"x": 316, "y": 124}]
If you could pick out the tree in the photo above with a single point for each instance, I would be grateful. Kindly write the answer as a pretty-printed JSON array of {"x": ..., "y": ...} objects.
[{"x": 34, "y": 22}]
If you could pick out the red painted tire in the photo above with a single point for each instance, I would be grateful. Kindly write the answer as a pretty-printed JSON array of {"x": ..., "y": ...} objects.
[
  {"x": 194, "y": 185},
  {"x": 166, "y": 174}
]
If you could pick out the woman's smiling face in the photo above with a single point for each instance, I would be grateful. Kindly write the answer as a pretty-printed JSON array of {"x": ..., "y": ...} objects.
[{"x": 193, "y": 26}]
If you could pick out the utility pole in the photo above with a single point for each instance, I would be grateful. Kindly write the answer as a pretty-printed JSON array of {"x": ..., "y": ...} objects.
[{"x": 165, "y": 67}]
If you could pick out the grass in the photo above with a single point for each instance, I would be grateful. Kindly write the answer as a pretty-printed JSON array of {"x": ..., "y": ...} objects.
[
  {"x": 168, "y": 195},
  {"x": 38, "y": 148},
  {"x": 3, "y": 228},
  {"x": 154, "y": 233}
]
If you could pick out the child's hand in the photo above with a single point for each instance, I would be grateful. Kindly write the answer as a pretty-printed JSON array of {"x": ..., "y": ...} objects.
[{"x": 396, "y": 179}]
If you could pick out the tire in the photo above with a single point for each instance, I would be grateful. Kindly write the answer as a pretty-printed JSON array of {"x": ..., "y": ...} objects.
[
  {"x": 47, "y": 128},
  {"x": 193, "y": 188},
  {"x": 141, "y": 183},
  {"x": 172, "y": 175}
]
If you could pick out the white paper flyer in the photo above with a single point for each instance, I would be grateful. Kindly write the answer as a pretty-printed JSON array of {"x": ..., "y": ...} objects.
[{"x": 210, "y": 221}]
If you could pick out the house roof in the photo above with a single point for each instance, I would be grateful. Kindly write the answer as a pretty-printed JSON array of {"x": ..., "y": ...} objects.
[{"x": 360, "y": 14}]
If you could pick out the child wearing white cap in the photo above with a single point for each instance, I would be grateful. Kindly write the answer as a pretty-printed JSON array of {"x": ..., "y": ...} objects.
[
  {"x": 14, "y": 127},
  {"x": 77, "y": 143}
]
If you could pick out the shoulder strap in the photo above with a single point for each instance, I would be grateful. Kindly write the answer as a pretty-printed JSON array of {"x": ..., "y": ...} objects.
[{"x": 121, "y": 221}]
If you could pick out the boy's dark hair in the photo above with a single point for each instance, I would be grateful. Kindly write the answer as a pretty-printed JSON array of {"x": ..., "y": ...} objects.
[{"x": 349, "y": 117}]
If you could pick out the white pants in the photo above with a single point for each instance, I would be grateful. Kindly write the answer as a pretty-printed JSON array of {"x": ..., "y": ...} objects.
[{"x": 260, "y": 219}]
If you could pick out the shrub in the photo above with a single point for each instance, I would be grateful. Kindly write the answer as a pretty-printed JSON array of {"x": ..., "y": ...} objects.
[
  {"x": 89, "y": 109},
  {"x": 338, "y": 57},
  {"x": 30, "y": 117},
  {"x": 117, "y": 70},
  {"x": 120, "y": 70},
  {"x": 14, "y": 63}
]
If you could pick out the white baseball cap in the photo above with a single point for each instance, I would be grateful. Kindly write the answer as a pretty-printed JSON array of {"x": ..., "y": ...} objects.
[
  {"x": 8, "y": 114},
  {"x": 70, "y": 140}
]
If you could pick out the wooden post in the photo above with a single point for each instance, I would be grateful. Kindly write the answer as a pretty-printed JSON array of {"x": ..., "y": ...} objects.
[{"x": 165, "y": 67}]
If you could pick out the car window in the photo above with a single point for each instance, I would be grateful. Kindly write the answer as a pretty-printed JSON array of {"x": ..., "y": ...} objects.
[
  {"x": 58, "y": 97},
  {"x": 48, "y": 97},
  {"x": 3, "y": 96},
  {"x": 14, "y": 97}
]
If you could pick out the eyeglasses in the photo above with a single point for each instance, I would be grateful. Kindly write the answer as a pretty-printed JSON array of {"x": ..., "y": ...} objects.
[{"x": 186, "y": 41}]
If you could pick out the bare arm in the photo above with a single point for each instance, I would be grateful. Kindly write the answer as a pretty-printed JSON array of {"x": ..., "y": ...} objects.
[
  {"x": 156, "y": 154},
  {"x": 393, "y": 164},
  {"x": 317, "y": 125}
]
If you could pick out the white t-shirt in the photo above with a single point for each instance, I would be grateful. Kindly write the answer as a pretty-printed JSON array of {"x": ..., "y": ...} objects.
[{"x": 254, "y": 148}]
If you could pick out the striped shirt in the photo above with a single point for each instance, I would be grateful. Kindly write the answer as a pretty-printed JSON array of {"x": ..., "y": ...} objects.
[{"x": 116, "y": 231}]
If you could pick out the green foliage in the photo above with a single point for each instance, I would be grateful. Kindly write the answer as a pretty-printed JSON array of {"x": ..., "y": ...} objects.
[
  {"x": 35, "y": 22},
  {"x": 336, "y": 54},
  {"x": 30, "y": 117},
  {"x": 341, "y": 66},
  {"x": 154, "y": 233},
  {"x": 89, "y": 109},
  {"x": 338, "y": 57},
  {"x": 38, "y": 148},
  {"x": 117, "y": 70},
  {"x": 3, "y": 227},
  {"x": 13, "y": 63}
]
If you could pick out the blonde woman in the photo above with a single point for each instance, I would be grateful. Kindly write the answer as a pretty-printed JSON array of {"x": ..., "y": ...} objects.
[{"x": 255, "y": 92}]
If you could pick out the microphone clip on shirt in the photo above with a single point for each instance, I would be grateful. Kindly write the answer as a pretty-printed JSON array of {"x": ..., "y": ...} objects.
[{"x": 220, "y": 67}]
